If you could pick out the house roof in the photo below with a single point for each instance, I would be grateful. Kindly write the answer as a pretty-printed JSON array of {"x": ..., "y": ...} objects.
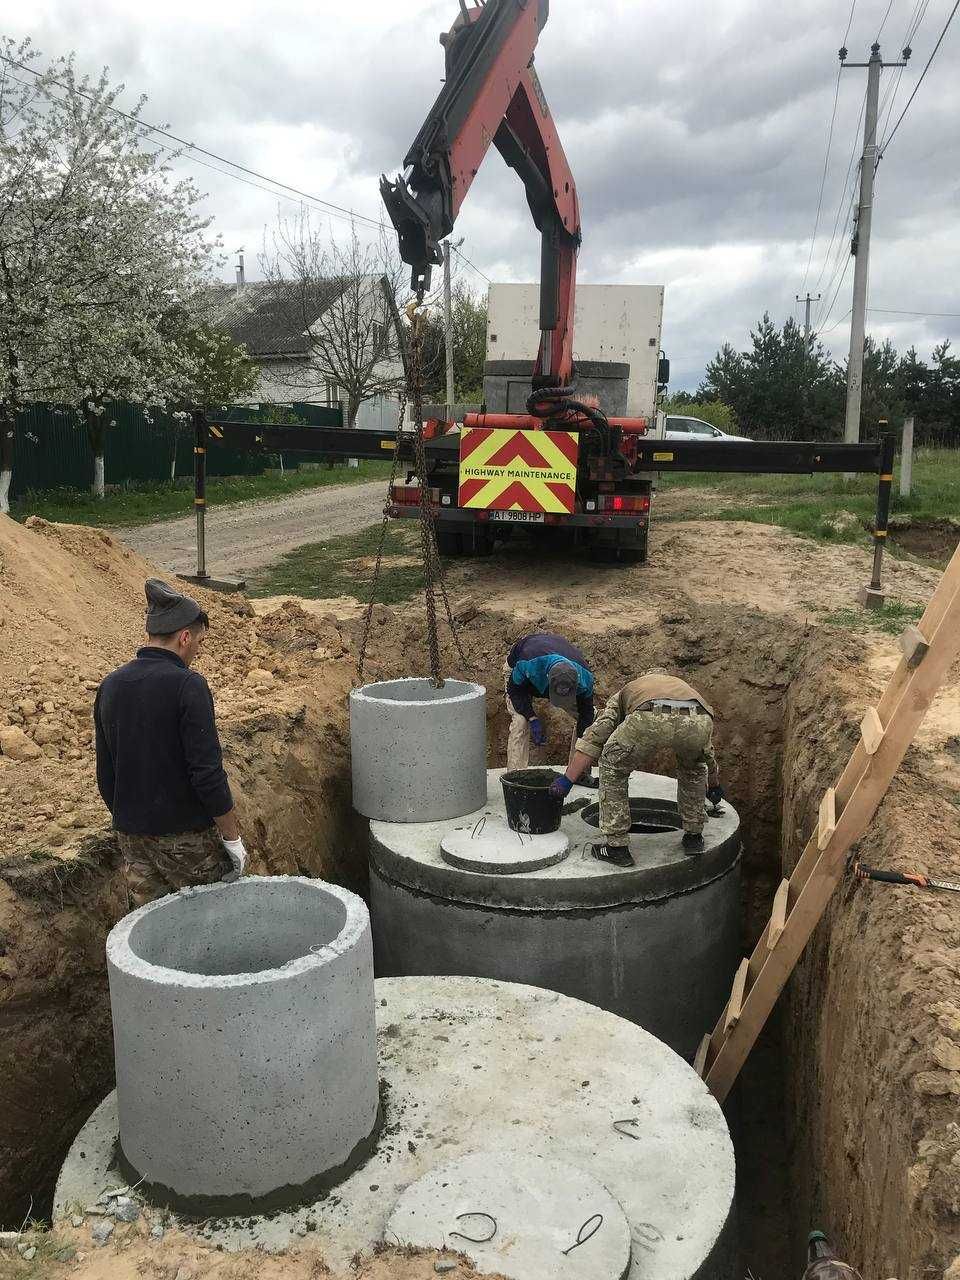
[{"x": 269, "y": 320}]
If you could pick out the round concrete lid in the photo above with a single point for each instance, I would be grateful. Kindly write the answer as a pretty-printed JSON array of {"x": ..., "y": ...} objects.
[
  {"x": 522, "y": 1216},
  {"x": 413, "y": 854},
  {"x": 491, "y": 847}
]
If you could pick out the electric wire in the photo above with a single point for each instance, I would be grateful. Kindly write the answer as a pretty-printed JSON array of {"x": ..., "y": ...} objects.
[
  {"x": 890, "y": 136},
  {"x": 884, "y": 22},
  {"x": 890, "y": 94},
  {"x": 939, "y": 315},
  {"x": 823, "y": 179},
  {"x": 836, "y": 324},
  {"x": 194, "y": 151},
  {"x": 843, "y": 193},
  {"x": 842, "y": 250}
]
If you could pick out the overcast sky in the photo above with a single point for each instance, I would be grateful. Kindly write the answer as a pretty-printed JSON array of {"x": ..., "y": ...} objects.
[{"x": 696, "y": 132}]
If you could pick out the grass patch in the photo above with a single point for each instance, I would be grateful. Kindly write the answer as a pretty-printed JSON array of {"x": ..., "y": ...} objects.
[
  {"x": 143, "y": 502},
  {"x": 891, "y": 618},
  {"x": 344, "y": 567},
  {"x": 820, "y": 506}
]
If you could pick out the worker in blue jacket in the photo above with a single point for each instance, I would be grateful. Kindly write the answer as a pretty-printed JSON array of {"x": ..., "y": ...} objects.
[{"x": 544, "y": 665}]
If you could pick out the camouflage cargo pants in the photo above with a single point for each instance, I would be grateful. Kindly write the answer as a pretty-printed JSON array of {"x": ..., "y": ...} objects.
[
  {"x": 156, "y": 865},
  {"x": 630, "y": 746}
]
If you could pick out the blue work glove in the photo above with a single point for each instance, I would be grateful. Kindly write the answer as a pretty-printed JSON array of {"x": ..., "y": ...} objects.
[
  {"x": 715, "y": 794},
  {"x": 537, "y": 731},
  {"x": 560, "y": 787}
]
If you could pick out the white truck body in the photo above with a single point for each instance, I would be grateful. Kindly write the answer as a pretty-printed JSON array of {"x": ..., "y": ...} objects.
[{"x": 613, "y": 322}]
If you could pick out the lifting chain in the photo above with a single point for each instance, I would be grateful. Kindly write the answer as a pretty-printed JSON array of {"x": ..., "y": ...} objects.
[{"x": 433, "y": 582}]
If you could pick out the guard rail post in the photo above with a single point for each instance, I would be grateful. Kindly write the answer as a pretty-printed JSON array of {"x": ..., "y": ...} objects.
[{"x": 873, "y": 596}]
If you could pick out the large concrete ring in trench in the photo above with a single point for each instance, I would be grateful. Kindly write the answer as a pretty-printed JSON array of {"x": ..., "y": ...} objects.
[
  {"x": 657, "y": 943},
  {"x": 244, "y": 1029},
  {"x": 419, "y": 751}
]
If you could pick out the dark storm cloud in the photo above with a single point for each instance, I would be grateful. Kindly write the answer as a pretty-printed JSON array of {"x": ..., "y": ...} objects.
[{"x": 695, "y": 132}]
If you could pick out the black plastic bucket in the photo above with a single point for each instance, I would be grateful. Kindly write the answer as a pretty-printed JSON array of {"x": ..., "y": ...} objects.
[{"x": 531, "y": 808}]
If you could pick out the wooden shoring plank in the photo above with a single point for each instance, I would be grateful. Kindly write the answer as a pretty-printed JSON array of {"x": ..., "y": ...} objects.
[
  {"x": 778, "y": 915},
  {"x": 913, "y": 645},
  {"x": 901, "y": 709},
  {"x": 871, "y": 731},
  {"x": 827, "y": 818},
  {"x": 735, "y": 1004},
  {"x": 700, "y": 1061}
]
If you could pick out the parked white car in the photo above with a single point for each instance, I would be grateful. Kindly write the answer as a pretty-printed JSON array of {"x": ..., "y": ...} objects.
[{"x": 679, "y": 428}]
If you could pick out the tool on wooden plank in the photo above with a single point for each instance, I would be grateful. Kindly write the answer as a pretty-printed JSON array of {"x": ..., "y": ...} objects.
[{"x": 909, "y": 877}]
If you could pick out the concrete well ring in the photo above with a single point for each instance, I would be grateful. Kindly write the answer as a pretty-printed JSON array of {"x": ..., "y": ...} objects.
[{"x": 245, "y": 1038}]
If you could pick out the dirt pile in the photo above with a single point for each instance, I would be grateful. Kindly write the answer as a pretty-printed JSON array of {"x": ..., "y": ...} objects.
[{"x": 146, "y": 1248}]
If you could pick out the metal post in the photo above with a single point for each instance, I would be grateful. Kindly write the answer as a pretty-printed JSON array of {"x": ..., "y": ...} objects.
[
  {"x": 806, "y": 321},
  {"x": 200, "y": 488},
  {"x": 873, "y": 596},
  {"x": 448, "y": 322},
  {"x": 906, "y": 458},
  {"x": 861, "y": 249}
]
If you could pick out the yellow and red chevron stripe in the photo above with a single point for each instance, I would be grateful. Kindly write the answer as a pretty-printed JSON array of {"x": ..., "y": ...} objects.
[{"x": 503, "y": 469}]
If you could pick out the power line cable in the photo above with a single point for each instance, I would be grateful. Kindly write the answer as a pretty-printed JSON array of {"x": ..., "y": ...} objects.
[
  {"x": 194, "y": 147},
  {"x": 823, "y": 332},
  {"x": 884, "y": 22},
  {"x": 194, "y": 151},
  {"x": 890, "y": 136},
  {"x": 843, "y": 192},
  {"x": 473, "y": 267},
  {"x": 823, "y": 179},
  {"x": 842, "y": 252},
  {"x": 938, "y": 315},
  {"x": 893, "y": 88}
]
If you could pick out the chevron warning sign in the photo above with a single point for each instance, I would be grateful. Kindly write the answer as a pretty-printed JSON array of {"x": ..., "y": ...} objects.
[{"x": 503, "y": 469}]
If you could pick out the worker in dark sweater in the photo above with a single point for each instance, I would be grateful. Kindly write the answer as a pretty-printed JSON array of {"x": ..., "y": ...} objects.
[
  {"x": 544, "y": 665},
  {"x": 159, "y": 764}
]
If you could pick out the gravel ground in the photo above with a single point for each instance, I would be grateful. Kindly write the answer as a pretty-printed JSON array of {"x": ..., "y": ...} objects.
[{"x": 248, "y": 535}]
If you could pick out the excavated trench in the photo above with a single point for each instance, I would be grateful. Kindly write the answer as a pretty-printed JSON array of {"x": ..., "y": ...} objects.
[{"x": 810, "y": 1130}]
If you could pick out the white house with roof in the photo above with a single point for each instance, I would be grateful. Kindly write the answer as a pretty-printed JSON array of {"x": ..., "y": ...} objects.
[{"x": 317, "y": 342}]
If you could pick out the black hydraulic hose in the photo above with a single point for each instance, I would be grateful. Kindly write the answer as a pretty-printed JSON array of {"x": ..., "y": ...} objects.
[{"x": 546, "y": 401}]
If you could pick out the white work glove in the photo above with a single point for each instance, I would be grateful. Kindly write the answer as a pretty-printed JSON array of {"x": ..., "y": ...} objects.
[{"x": 238, "y": 857}]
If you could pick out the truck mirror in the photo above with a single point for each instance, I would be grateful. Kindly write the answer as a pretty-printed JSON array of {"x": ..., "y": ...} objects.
[{"x": 663, "y": 371}]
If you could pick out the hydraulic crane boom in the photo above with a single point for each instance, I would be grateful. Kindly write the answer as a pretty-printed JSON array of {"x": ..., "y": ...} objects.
[{"x": 492, "y": 94}]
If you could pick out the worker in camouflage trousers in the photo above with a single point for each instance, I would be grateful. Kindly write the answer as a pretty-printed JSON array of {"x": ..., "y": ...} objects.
[{"x": 653, "y": 712}]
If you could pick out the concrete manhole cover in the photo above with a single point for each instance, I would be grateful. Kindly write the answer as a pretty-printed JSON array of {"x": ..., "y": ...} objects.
[
  {"x": 519, "y": 1215},
  {"x": 493, "y": 849}
]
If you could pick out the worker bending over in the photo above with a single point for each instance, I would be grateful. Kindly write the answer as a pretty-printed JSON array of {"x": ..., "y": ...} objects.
[
  {"x": 159, "y": 764},
  {"x": 544, "y": 665},
  {"x": 654, "y": 711}
]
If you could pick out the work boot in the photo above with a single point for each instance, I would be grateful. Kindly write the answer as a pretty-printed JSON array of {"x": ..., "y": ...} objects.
[
  {"x": 692, "y": 843},
  {"x": 618, "y": 854}
]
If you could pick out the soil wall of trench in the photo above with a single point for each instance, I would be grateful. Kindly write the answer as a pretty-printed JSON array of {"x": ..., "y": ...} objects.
[{"x": 871, "y": 1051}]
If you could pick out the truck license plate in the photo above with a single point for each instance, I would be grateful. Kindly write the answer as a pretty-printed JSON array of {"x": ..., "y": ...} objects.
[{"x": 521, "y": 517}]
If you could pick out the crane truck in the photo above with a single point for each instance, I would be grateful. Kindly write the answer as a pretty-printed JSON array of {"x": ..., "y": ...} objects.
[
  {"x": 558, "y": 448},
  {"x": 561, "y": 461}
]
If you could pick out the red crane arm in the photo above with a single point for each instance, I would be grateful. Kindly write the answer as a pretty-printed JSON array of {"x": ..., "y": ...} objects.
[{"x": 492, "y": 95}]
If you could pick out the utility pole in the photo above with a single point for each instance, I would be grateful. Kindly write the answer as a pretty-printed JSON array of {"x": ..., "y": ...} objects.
[
  {"x": 448, "y": 320},
  {"x": 860, "y": 245},
  {"x": 806, "y": 320}
]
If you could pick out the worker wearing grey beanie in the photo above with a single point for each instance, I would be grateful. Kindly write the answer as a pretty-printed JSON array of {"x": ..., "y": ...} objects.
[{"x": 159, "y": 763}]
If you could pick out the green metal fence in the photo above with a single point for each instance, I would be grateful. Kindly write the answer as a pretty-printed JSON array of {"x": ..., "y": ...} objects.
[{"x": 51, "y": 449}]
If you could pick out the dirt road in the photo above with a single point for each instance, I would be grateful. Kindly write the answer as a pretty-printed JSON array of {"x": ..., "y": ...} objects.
[{"x": 249, "y": 535}]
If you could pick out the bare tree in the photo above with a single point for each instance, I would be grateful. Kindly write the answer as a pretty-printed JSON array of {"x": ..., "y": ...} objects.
[{"x": 333, "y": 303}]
